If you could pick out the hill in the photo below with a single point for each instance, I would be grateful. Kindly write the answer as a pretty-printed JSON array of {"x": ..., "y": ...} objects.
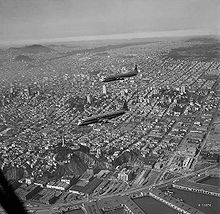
[
  {"x": 203, "y": 51},
  {"x": 77, "y": 166},
  {"x": 31, "y": 49},
  {"x": 2, "y": 51},
  {"x": 22, "y": 58}
]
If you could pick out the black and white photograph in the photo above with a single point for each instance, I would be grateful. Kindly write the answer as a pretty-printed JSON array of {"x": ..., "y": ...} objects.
[{"x": 109, "y": 106}]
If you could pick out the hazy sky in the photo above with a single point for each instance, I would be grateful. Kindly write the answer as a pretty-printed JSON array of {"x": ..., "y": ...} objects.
[{"x": 43, "y": 19}]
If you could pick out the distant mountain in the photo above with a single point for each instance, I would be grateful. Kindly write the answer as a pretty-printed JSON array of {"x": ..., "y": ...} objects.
[
  {"x": 2, "y": 51},
  {"x": 23, "y": 58},
  {"x": 31, "y": 49},
  {"x": 207, "y": 51},
  {"x": 203, "y": 39}
]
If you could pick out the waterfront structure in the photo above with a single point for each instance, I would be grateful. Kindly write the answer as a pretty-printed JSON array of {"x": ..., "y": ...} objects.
[
  {"x": 174, "y": 203},
  {"x": 197, "y": 187},
  {"x": 60, "y": 185},
  {"x": 130, "y": 206}
]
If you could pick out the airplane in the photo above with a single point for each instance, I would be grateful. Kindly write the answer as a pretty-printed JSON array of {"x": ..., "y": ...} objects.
[
  {"x": 121, "y": 76},
  {"x": 104, "y": 118}
]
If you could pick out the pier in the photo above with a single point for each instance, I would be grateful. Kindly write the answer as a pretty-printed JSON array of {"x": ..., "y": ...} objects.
[
  {"x": 130, "y": 206},
  {"x": 197, "y": 187},
  {"x": 174, "y": 203}
]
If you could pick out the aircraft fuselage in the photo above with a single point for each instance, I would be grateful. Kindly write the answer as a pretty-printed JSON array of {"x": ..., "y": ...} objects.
[
  {"x": 102, "y": 118},
  {"x": 119, "y": 77}
]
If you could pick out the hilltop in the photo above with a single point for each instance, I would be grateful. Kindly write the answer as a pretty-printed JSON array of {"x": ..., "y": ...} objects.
[
  {"x": 22, "y": 58},
  {"x": 206, "y": 51},
  {"x": 31, "y": 49}
]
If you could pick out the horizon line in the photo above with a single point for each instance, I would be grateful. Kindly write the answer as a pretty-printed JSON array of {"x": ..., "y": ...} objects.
[{"x": 137, "y": 35}]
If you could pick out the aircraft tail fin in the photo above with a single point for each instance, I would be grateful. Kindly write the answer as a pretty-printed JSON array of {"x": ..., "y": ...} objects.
[{"x": 136, "y": 68}]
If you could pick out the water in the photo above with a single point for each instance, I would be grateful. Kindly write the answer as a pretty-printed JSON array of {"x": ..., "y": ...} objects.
[
  {"x": 205, "y": 203},
  {"x": 214, "y": 181},
  {"x": 151, "y": 206}
]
